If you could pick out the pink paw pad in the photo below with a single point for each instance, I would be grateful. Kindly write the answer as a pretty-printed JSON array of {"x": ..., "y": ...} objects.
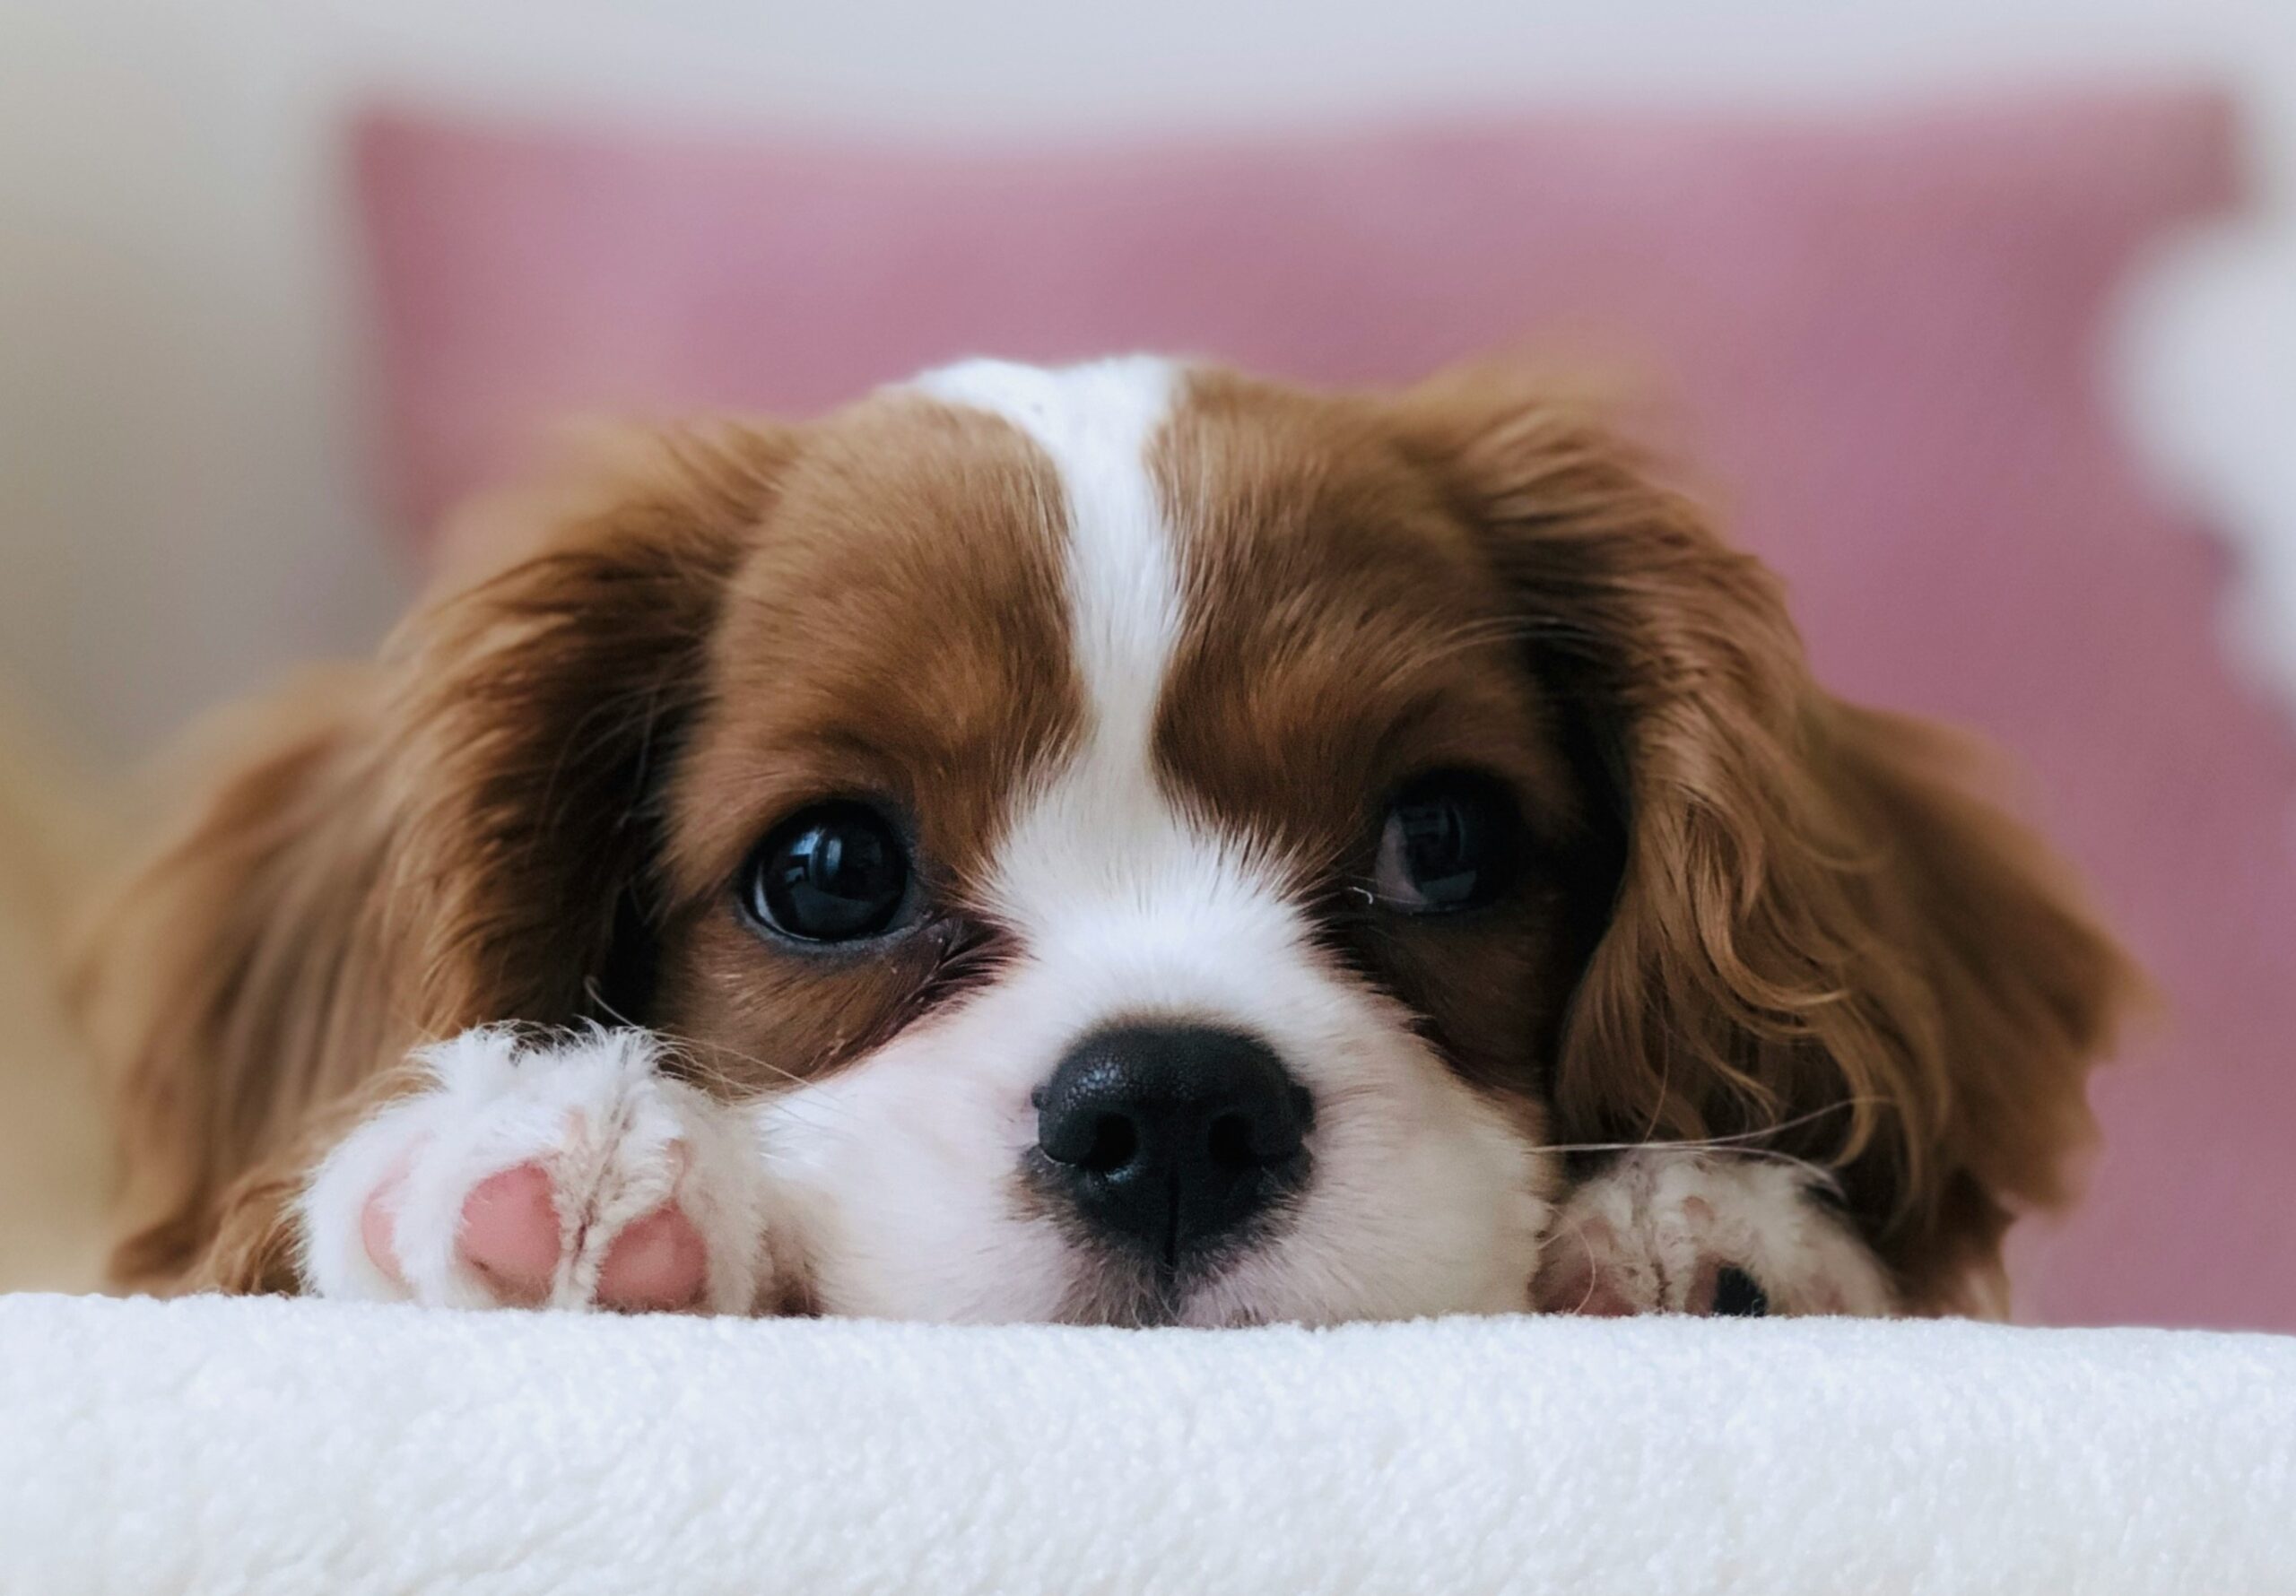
[
  {"x": 511, "y": 1235},
  {"x": 1572, "y": 1282},
  {"x": 658, "y": 1264}
]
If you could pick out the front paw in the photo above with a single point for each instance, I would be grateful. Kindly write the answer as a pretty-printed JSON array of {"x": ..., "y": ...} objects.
[
  {"x": 1672, "y": 1231},
  {"x": 566, "y": 1173}
]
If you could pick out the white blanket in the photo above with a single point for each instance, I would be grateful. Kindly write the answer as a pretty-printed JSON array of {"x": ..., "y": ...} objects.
[{"x": 215, "y": 1445}]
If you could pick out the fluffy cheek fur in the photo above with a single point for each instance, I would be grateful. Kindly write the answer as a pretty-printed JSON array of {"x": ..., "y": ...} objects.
[{"x": 905, "y": 1173}]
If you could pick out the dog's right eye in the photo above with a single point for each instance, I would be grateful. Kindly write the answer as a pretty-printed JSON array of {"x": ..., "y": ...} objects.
[
  {"x": 837, "y": 872},
  {"x": 1450, "y": 842}
]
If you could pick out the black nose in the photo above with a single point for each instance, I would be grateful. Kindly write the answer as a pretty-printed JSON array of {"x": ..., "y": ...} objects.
[{"x": 1169, "y": 1138}]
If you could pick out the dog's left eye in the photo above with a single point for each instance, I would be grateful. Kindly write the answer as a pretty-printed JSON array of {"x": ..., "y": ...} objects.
[
  {"x": 834, "y": 873},
  {"x": 1451, "y": 842}
]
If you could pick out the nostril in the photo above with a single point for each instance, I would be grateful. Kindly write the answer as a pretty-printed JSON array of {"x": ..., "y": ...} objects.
[
  {"x": 1229, "y": 1142},
  {"x": 1115, "y": 1139}
]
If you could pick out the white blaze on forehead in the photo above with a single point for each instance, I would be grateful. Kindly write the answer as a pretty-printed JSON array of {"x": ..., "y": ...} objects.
[
  {"x": 1097, "y": 423},
  {"x": 1100, "y": 854}
]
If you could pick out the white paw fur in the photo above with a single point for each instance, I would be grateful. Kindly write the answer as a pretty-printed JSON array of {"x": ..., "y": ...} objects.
[
  {"x": 617, "y": 1138},
  {"x": 1648, "y": 1234}
]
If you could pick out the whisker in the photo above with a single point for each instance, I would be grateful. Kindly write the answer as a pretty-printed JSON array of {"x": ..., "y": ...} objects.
[
  {"x": 1818, "y": 1173},
  {"x": 704, "y": 1072},
  {"x": 733, "y": 1087},
  {"x": 1715, "y": 1141},
  {"x": 1738, "y": 1144}
]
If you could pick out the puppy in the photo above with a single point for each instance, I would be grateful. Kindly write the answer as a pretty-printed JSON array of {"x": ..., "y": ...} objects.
[{"x": 1125, "y": 844}]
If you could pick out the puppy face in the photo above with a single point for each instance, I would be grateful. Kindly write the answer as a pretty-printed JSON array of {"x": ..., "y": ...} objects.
[{"x": 1124, "y": 808}]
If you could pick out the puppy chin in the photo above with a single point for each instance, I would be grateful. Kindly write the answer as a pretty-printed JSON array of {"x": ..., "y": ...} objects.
[
  {"x": 908, "y": 1256},
  {"x": 1445, "y": 1216},
  {"x": 1327, "y": 1266}
]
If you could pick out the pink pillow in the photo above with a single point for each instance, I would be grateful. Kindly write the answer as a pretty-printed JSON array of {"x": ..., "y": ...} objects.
[{"x": 1884, "y": 335}]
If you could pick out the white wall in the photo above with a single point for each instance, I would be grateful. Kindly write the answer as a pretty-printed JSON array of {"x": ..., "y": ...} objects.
[{"x": 182, "y": 496}]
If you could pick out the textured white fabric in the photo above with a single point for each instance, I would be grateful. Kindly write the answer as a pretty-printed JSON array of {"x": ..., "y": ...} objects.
[{"x": 236, "y": 1445}]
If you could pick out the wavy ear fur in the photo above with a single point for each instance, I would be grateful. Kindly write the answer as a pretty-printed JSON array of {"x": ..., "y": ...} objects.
[
  {"x": 458, "y": 834},
  {"x": 1821, "y": 936}
]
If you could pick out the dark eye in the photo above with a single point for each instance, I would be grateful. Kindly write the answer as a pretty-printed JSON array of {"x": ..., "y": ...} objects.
[
  {"x": 834, "y": 873},
  {"x": 1450, "y": 841}
]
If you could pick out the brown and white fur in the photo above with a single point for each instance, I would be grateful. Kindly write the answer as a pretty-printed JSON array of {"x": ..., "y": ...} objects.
[{"x": 446, "y": 993}]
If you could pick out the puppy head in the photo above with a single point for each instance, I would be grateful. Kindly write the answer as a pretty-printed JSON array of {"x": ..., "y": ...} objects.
[
  {"x": 1216, "y": 853},
  {"x": 1171, "y": 848}
]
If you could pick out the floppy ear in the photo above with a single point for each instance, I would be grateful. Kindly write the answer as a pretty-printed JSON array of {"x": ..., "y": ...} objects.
[
  {"x": 458, "y": 834},
  {"x": 1819, "y": 937},
  {"x": 533, "y": 718}
]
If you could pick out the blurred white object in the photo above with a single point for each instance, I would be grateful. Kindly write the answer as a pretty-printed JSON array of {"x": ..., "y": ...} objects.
[{"x": 2210, "y": 385}]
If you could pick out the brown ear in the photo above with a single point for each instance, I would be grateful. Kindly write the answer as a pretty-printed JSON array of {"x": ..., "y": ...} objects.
[
  {"x": 458, "y": 834},
  {"x": 1819, "y": 936}
]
